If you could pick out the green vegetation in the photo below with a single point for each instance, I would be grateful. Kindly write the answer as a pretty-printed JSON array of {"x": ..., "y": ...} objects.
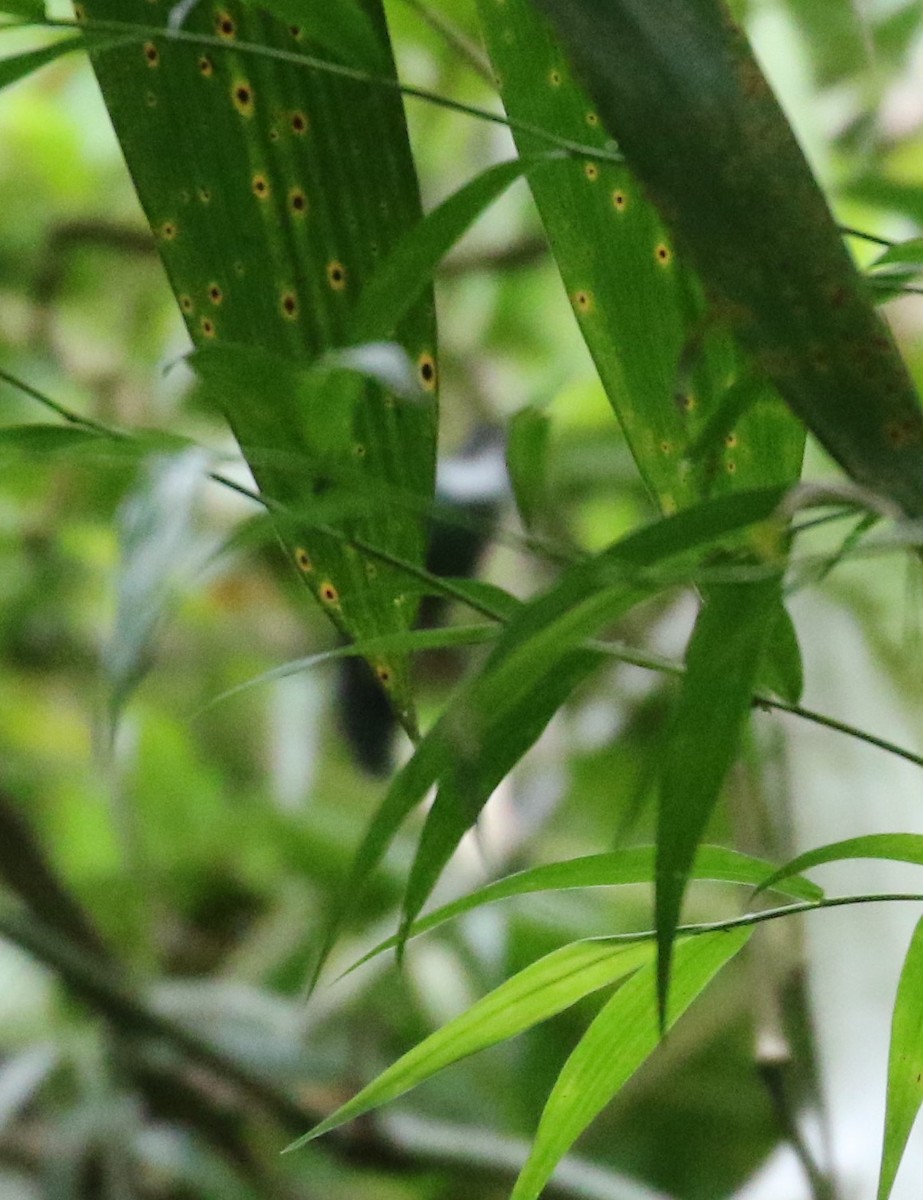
[{"x": 219, "y": 928}]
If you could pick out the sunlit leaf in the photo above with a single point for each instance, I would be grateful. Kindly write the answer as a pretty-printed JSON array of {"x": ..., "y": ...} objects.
[
  {"x": 905, "y": 1064},
  {"x": 634, "y": 865},
  {"x": 535, "y": 994},
  {"x": 621, "y": 1037},
  {"x": 896, "y": 847}
]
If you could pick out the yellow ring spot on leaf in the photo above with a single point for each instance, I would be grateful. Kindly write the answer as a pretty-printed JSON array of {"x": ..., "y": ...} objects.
[
  {"x": 208, "y": 327},
  {"x": 555, "y": 78},
  {"x": 242, "y": 95},
  {"x": 663, "y": 254},
  {"x": 187, "y": 304},
  {"x": 426, "y": 368},
  {"x": 299, "y": 123},
  {"x": 225, "y": 25},
  {"x": 336, "y": 275},
  {"x": 383, "y": 674},
  {"x": 168, "y": 231},
  {"x": 328, "y": 593},
  {"x": 298, "y": 202},
  {"x": 583, "y": 302},
  {"x": 731, "y": 441},
  {"x": 215, "y": 293},
  {"x": 206, "y": 66},
  {"x": 289, "y": 306},
  {"x": 591, "y": 171},
  {"x": 303, "y": 560},
  {"x": 261, "y": 188},
  {"x": 592, "y": 119},
  {"x": 619, "y": 200},
  {"x": 151, "y": 54}
]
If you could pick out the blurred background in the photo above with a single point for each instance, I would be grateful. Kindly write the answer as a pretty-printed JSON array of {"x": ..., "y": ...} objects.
[{"x": 189, "y": 846}]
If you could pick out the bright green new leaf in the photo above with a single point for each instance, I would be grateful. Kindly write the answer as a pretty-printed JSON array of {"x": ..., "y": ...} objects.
[
  {"x": 905, "y": 1064},
  {"x": 544, "y": 988},
  {"x": 898, "y": 847},
  {"x": 722, "y": 666},
  {"x": 904, "y": 254},
  {"x": 633, "y": 865},
  {"x": 706, "y": 137},
  {"x": 621, "y": 1037}
]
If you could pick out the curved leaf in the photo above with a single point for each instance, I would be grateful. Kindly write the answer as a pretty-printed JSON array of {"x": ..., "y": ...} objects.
[
  {"x": 544, "y": 988},
  {"x": 905, "y": 1064},
  {"x": 618, "y": 1041},
  {"x": 898, "y": 847}
]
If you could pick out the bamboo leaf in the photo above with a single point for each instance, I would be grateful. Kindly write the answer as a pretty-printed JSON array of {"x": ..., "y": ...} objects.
[
  {"x": 27, "y": 10},
  {"x": 707, "y": 139},
  {"x": 343, "y": 28},
  {"x": 411, "y": 264},
  {"x": 537, "y": 663},
  {"x": 896, "y": 847},
  {"x": 722, "y": 664},
  {"x": 663, "y": 359},
  {"x": 527, "y": 462},
  {"x": 905, "y": 1064},
  {"x": 633, "y": 865},
  {"x": 623, "y": 1035},
  {"x": 18, "y": 66},
  {"x": 544, "y": 988},
  {"x": 272, "y": 211}
]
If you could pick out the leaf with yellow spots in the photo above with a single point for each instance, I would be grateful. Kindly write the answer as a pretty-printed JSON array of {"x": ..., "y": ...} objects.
[
  {"x": 665, "y": 365},
  {"x": 274, "y": 192}
]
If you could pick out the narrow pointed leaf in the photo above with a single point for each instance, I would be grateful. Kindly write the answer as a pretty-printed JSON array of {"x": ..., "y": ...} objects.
[
  {"x": 411, "y": 264},
  {"x": 631, "y": 866},
  {"x": 722, "y": 666},
  {"x": 527, "y": 461},
  {"x": 663, "y": 359},
  {"x": 509, "y": 703},
  {"x": 535, "y": 994},
  {"x": 896, "y": 847},
  {"x": 905, "y": 1064},
  {"x": 272, "y": 211},
  {"x": 677, "y": 85},
  {"x": 18, "y": 66},
  {"x": 621, "y": 1037}
]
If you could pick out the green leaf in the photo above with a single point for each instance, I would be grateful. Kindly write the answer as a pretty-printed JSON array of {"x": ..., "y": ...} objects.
[
  {"x": 342, "y": 28},
  {"x": 664, "y": 360},
  {"x": 722, "y": 664},
  {"x": 707, "y": 139},
  {"x": 28, "y": 10},
  {"x": 18, "y": 66},
  {"x": 409, "y": 267},
  {"x": 535, "y": 666},
  {"x": 270, "y": 232},
  {"x": 49, "y": 439},
  {"x": 527, "y": 462},
  {"x": 623, "y": 1035},
  {"x": 544, "y": 988},
  {"x": 905, "y": 1064},
  {"x": 896, "y": 847},
  {"x": 633, "y": 865},
  {"x": 903, "y": 254},
  {"x": 782, "y": 670}
]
